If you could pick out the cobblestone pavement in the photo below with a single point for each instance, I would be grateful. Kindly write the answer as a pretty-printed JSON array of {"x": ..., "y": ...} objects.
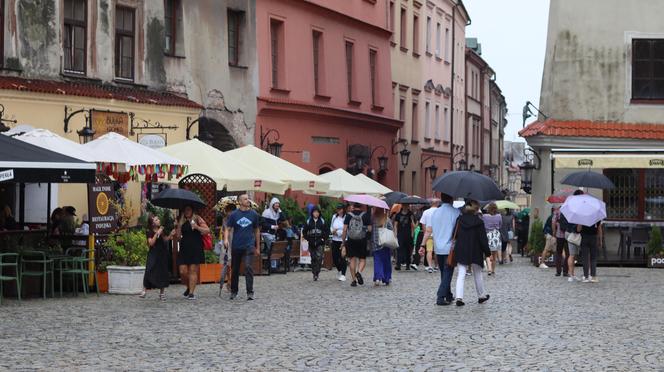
[{"x": 534, "y": 321}]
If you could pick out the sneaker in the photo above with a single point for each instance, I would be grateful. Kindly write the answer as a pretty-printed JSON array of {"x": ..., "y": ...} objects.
[
  {"x": 558, "y": 274},
  {"x": 233, "y": 296},
  {"x": 593, "y": 279},
  {"x": 360, "y": 280},
  {"x": 377, "y": 283},
  {"x": 186, "y": 293},
  {"x": 571, "y": 279},
  {"x": 353, "y": 284},
  {"x": 429, "y": 269},
  {"x": 459, "y": 302},
  {"x": 543, "y": 266},
  {"x": 315, "y": 278},
  {"x": 397, "y": 268},
  {"x": 162, "y": 297},
  {"x": 250, "y": 296},
  {"x": 585, "y": 280},
  {"x": 142, "y": 294},
  {"x": 191, "y": 297},
  {"x": 443, "y": 303},
  {"x": 413, "y": 266},
  {"x": 342, "y": 278},
  {"x": 483, "y": 299}
]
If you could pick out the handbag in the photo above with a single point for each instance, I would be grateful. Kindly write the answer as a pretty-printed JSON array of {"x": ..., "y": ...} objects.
[
  {"x": 451, "y": 260},
  {"x": 386, "y": 238},
  {"x": 574, "y": 238},
  {"x": 207, "y": 242},
  {"x": 510, "y": 235}
]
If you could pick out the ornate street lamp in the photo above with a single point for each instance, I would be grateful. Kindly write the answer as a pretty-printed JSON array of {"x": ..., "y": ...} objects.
[
  {"x": 527, "y": 168},
  {"x": 85, "y": 135},
  {"x": 3, "y": 127},
  {"x": 433, "y": 171},
  {"x": 382, "y": 163},
  {"x": 274, "y": 148},
  {"x": 463, "y": 166},
  {"x": 404, "y": 154}
]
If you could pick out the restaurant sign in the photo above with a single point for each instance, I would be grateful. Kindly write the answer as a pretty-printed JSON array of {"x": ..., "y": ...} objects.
[
  {"x": 102, "y": 214},
  {"x": 608, "y": 161},
  {"x": 109, "y": 121},
  {"x": 7, "y": 175},
  {"x": 154, "y": 141},
  {"x": 656, "y": 262}
]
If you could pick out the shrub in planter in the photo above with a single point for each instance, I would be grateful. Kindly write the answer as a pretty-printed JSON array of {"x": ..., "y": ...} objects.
[
  {"x": 128, "y": 251},
  {"x": 654, "y": 247},
  {"x": 536, "y": 238}
]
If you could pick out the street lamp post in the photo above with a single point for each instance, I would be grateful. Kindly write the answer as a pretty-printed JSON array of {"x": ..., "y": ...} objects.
[
  {"x": 527, "y": 168},
  {"x": 463, "y": 165},
  {"x": 527, "y": 113},
  {"x": 3, "y": 127},
  {"x": 86, "y": 133},
  {"x": 272, "y": 146},
  {"x": 204, "y": 136}
]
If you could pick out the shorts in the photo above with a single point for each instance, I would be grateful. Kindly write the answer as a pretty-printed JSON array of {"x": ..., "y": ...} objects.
[
  {"x": 356, "y": 248},
  {"x": 550, "y": 245},
  {"x": 573, "y": 248},
  {"x": 429, "y": 245}
]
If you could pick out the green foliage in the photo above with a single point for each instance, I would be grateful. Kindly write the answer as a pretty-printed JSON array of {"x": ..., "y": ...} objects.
[
  {"x": 293, "y": 210},
  {"x": 655, "y": 242},
  {"x": 536, "y": 239},
  {"x": 327, "y": 208},
  {"x": 211, "y": 257},
  {"x": 165, "y": 216},
  {"x": 126, "y": 248}
]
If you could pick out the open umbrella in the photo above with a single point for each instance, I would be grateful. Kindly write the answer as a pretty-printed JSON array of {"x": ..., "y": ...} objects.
[
  {"x": 583, "y": 210},
  {"x": 413, "y": 200},
  {"x": 369, "y": 200},
  {"x": 177, "y": 199},
  {"x": 588, "y": 179},
  {"x": 505, "y": 204},
  {"x": 560, "y": 196},
  {"x": 467, "y": 185},
  {"x": 394, "y": 197}
]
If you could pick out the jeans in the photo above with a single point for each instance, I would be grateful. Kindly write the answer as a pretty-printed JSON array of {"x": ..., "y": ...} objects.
[
  {"x": 236, "y": 259},
  {"x": 561, "y": 246},
  {"x": 446, "y": 272},
  {"x": 461, "y": 278},
  {"x": 589, "y": 254},
  {"x": 316, "y": 252},
  {"x": 405, "y": 250},
  {"x": 339, "y": 261}
]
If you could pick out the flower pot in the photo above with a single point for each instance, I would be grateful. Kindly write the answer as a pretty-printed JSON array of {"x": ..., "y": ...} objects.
[
  {"x": 209, "y": 273},
  {"x": 102, "y": 277},
  {"x": 125, "y": 279},
  {"x": 656, "y": 262}
]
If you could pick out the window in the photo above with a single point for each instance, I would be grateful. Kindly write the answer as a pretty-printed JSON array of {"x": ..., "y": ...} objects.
[
  {"x": 625, "y": 201},
  {"x": 124, "y": 43},
  {"x": 404, "y": 28},
  {"x": 276, "y": 51},
  {"x": 234, "y": 22},
  {"x": 391, "y": 19},
  {"x": 316, "y": 36},
  {"x": 437, "y": 39},
  {"x": 413, "y": 183},
  {"x": 437, "y": 123},
  {"x": 402, "y": 109},
  {"x": 401, "y": 173},
  {"x": 648, "y": 69},
  {"x": 446, "y": 122},
  {"x": 75, "y": 35},
  {"x": 349, "y": 69},
  {"x": 427, "y": 121},
  {"x": 414, "y": 135},
  {"x": 428, "y": 40},
  {"x": 373, "y": 56},
  {"x": 416, "y": 34},
  {"x": 173, "y": 27},
  {"x": 447, "y": 44}
]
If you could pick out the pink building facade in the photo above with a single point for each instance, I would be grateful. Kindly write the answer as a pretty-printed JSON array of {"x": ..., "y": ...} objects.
[{"x": 325, "y": 87}]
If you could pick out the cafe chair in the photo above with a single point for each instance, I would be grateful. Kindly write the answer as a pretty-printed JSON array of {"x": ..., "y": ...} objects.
[
  {"x": 78, "y": 267},
  {"x": 37, "y": 264},
  {"x": 638, "y": 241},
  {"x": 278, "y": 256},
  {"x": 9, "y": 260}
]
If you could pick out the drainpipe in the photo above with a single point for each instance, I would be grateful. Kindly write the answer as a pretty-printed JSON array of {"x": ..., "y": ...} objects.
[{"x": 454, "y": 8}]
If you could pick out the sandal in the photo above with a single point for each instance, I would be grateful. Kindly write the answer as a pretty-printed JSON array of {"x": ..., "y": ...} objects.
[
  {"x": 162, "y": 297},
  {"x": 142, "y": 294}
]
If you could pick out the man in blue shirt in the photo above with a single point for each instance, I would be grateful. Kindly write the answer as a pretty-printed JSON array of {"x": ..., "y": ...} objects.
[
  {"x": 244, "y": 227},
  {"x": 442, "y": 228}
]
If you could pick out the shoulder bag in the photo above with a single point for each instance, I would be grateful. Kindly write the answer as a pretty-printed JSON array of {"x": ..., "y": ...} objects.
[
  {"x": 451, "y": 261},
  {"x": 574, "y": 238},
  {"x": 386, "y": 237}
]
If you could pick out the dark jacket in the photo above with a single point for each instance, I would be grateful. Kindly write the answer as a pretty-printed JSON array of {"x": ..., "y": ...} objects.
[
  {"x": 472, "y": 245},
  {"x": 316, "y": 232}
]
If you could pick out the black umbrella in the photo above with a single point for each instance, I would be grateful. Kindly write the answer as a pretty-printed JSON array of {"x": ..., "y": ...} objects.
[
  {"x": 393, "y": 197},
  {"x": 177, "y": 199},
  {"x": 467, "y": 185},
  {"x": 588, "y": 179},
  {"x": 413, "y": 200}
]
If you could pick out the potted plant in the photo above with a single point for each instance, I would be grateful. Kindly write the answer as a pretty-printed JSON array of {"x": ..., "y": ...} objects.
[
  {"x": 536, "y": 241},
  {"x": 128, "y": 252},
  {"x": 210, "y": 271},
  {"x": 655, "y": 250}
]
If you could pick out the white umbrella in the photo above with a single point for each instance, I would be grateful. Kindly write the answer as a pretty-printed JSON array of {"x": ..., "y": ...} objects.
[
  {"x": 51, "y": 141},
  {"x": 583, "y": 210},
  {"x": 343, "y": 183},
  {"x": 372, "y": 187}
]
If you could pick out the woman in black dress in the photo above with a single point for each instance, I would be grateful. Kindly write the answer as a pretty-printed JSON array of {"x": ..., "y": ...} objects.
[
  {"x": 156, "y": 267},
  {"x": 191, "y": 229}
]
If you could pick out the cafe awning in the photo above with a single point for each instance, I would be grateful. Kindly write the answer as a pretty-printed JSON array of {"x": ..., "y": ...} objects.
[
  {"x": 605, "y": 160},
  {"x": 226, "y": 171},
  {"x": 22, "y": 162}
]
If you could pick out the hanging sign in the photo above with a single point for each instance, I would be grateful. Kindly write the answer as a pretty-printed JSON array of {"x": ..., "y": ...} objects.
[
  {"x": 7, "y": 175},
  {"x": 154, "y": 141},
  {"x": 109, "y": 121},
  {"x": 103, "y": 219}
]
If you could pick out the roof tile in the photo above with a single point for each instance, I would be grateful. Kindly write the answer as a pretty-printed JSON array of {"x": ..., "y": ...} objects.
[{"x": 589, "y": 128}]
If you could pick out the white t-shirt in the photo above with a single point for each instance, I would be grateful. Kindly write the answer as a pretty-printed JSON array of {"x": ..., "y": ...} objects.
[
  {"x": 338, "y": 225},
  {"x": 426, "y": 216}
]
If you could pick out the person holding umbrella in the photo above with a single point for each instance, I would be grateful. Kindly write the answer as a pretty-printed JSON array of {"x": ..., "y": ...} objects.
[
  {"x": 587, "y": 212},
  {"x": 470, "y": 250},
  {"x": 354, "y": 242},
  {"x": 190, "y": 230}
]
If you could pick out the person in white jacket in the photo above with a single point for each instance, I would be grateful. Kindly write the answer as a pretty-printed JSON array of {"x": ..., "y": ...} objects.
[{"x": 337, "y": 229}]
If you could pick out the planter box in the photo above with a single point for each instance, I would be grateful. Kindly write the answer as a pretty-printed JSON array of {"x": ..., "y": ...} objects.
[
  {"x": 328, "y": 263},
  {"x": 102, "y": 277},
  {"x": 656, "y": 262},
  {"x": 209, "y": 273},
  {"x": 125, "y": 279},
  {"x": 549, "y": 260}
]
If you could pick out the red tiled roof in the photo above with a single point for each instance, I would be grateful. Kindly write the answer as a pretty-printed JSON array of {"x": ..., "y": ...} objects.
[
  {"x": 589, "y": 128},
  {"x": 135, "y": 95}
]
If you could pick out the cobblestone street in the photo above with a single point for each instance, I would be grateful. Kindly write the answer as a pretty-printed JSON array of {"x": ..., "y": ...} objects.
[{"x": 534, "y": 321}]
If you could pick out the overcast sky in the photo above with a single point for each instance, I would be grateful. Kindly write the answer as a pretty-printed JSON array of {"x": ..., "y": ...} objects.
[{"x": 513, "y": 38}]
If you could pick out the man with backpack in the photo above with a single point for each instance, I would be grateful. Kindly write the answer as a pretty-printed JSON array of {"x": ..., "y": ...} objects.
[{"x": 357, "y": 225}]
